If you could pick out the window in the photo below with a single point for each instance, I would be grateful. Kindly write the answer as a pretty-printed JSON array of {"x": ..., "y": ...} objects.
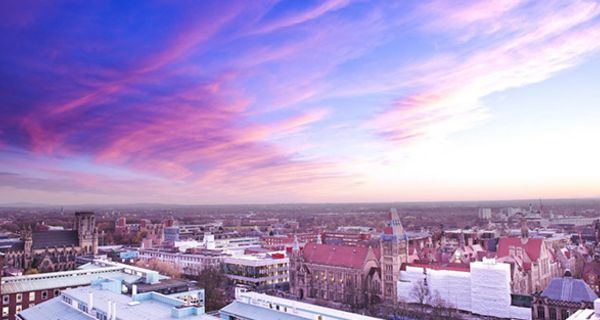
[
  {"x": 18, "y": 309},
  {"x": 31, "y": 296},
  {"x": 5, "y": 311},
  {"x": 56, "y": 292},
  {"x": 5, "y": 299},
  {"x": 19, "y": 297},
  {"x": 540, "y": 312},
  {"x": 44, "y": 294}
]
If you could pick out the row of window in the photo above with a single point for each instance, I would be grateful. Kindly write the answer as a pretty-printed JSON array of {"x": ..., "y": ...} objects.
[{"x": 30, "y": 297}]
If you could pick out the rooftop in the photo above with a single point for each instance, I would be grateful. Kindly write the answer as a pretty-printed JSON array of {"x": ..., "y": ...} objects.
[
  {"x": 148, "y": 306},
  {"x": 569, "y": 289},
  {"x": 58, "y": 238},
  {"x": 252, "y": 305}
]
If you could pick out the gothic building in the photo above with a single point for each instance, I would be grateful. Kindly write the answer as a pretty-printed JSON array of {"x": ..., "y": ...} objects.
[
  {"x": 394, "y": 252},
  {"x": 353, "y": 275},
  {"x": 533, "y": 262},
  {"x": 55, "y": 250}
]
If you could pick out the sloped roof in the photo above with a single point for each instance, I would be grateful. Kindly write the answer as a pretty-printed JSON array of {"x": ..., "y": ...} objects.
[
  {"x": 336, "y": 255},
  {"x": 533, "y": 247},
  {"x": 569, "y": 289},
  {"x": 58, "y": 238}
]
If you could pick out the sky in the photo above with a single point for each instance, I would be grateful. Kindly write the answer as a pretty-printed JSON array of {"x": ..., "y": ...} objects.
[{"x": 207, "y": 102}]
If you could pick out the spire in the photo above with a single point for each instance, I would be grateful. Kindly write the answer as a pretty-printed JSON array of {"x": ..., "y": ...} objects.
[
  {"x": 395, "y": 223},
  {"x": 295, "y": 245},
  {"x": 524, "y": 230}
]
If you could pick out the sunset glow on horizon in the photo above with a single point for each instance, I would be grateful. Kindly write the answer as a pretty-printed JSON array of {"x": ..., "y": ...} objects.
[{"x": 298, "y": 101}]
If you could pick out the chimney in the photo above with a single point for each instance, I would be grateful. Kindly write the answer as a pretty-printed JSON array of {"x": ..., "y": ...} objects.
[
  {"x": 91, "y": 302},
  {"x": 133, "y": 291},
  {"x": 108, "y": 311}
]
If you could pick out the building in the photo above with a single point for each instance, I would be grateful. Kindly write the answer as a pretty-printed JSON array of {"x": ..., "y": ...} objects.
[
  {"x": 256, "y": 306},
  {"x": 533, "y": 261},
  {"x": 394, "y": 252},
  {"x": 343, "y": 274},
  {"x": 591, "y": 275},
  {"x": 587, "y": 314},
  {"x": 347, "y": 238},
  {"x": 232, "y": 244},
  {"x": 259, "y": 271},
  {"x": 21, "y": 292},
  {"x": 104, "y": 300},
  {"x": 55, "y": 250},
  {"x": 562, "y": 298},
  {"x": 485, "y": 213},
  {"x": 281, "y": 242},
  {"x": 187, "y": 263},
  {"x": 481, "y": 287}
]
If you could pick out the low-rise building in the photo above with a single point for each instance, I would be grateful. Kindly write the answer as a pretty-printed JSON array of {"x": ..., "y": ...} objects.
[
  {"x": 104, "y": 300},
  {"x": 481, "y": 287},
  {"x": 256, "y": 306},
  {"x": 562, "y": 298},
  {"x": 186, "y": 263},
  {"x": 22, "y": 292},
  {"x": 259, "y": 271}
]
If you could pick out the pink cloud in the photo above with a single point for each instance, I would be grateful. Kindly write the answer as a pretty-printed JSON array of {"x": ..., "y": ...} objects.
[{"x": 452, "y": 88}]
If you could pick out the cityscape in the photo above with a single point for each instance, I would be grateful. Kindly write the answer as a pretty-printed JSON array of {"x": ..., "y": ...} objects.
[{"x": 299, "y": 160}]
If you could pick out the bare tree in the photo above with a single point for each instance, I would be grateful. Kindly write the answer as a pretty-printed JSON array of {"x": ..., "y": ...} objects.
[{"x": 420, "y": 292}]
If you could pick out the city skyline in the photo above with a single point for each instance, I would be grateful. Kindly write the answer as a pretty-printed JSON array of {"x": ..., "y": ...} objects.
[{"x": 283, "y": 101}]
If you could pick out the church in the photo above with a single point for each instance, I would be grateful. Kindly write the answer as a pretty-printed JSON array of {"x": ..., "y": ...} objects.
[{"x": 54, "y": 250}]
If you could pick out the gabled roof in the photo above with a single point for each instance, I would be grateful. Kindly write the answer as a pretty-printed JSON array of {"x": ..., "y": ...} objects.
[
  {"x": 59, "y": 238},
  {"x": 336, "y": 255},
  {"x": 533, "y": 247},
  {"x": 569, "y": 289}
]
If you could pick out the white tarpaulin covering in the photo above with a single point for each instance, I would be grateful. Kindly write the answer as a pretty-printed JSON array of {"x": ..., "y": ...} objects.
[{"x": 485, "y": 290}]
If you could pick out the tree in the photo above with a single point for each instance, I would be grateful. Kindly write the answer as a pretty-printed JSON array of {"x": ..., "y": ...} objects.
[
  {"x": 420, "y": 292},
  {"x": 214, "y": 283},
  {"x": 162, "y": 267}
]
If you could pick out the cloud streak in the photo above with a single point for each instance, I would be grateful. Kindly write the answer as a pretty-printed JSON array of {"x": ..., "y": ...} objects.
[{"x": 243, "y": 102}]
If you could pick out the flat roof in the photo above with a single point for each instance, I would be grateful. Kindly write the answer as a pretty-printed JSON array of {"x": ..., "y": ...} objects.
[
  {"x": 54, "y": 309},
  {"x": 150, "y": 309}
]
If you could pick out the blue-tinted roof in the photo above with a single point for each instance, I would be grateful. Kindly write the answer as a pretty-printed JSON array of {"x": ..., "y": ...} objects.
[
  {"x": 569, "y": 289},
  {"x": 53, "y": 309},
  {"x": 248, "y": 311}
]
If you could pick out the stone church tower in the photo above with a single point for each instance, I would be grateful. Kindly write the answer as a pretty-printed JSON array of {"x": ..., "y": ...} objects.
[
  {"x": 85, "y": 224},
  {"x": 394, "y": 252}
]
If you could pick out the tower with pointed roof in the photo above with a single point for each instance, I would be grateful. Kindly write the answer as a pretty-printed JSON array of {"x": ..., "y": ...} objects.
[
  {"x": 524, "y": 231},
  {"x": 394, "y": 252}
]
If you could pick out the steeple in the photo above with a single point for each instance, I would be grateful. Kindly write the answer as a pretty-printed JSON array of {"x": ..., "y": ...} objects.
[
  {"x": 524, "y": 230},
  {"x": 395, "y": 223},
  {"x": 295, "y": 245}
]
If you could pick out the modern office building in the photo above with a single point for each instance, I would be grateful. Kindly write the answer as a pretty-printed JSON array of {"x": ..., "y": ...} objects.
[{"x": 259, "y": 271}]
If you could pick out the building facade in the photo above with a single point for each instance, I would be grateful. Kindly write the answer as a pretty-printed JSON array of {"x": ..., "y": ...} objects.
[
  {"x": 260, "y": 271},
  {"x": 55, "y": 250},
  {"x": 394, "y": 252}
]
